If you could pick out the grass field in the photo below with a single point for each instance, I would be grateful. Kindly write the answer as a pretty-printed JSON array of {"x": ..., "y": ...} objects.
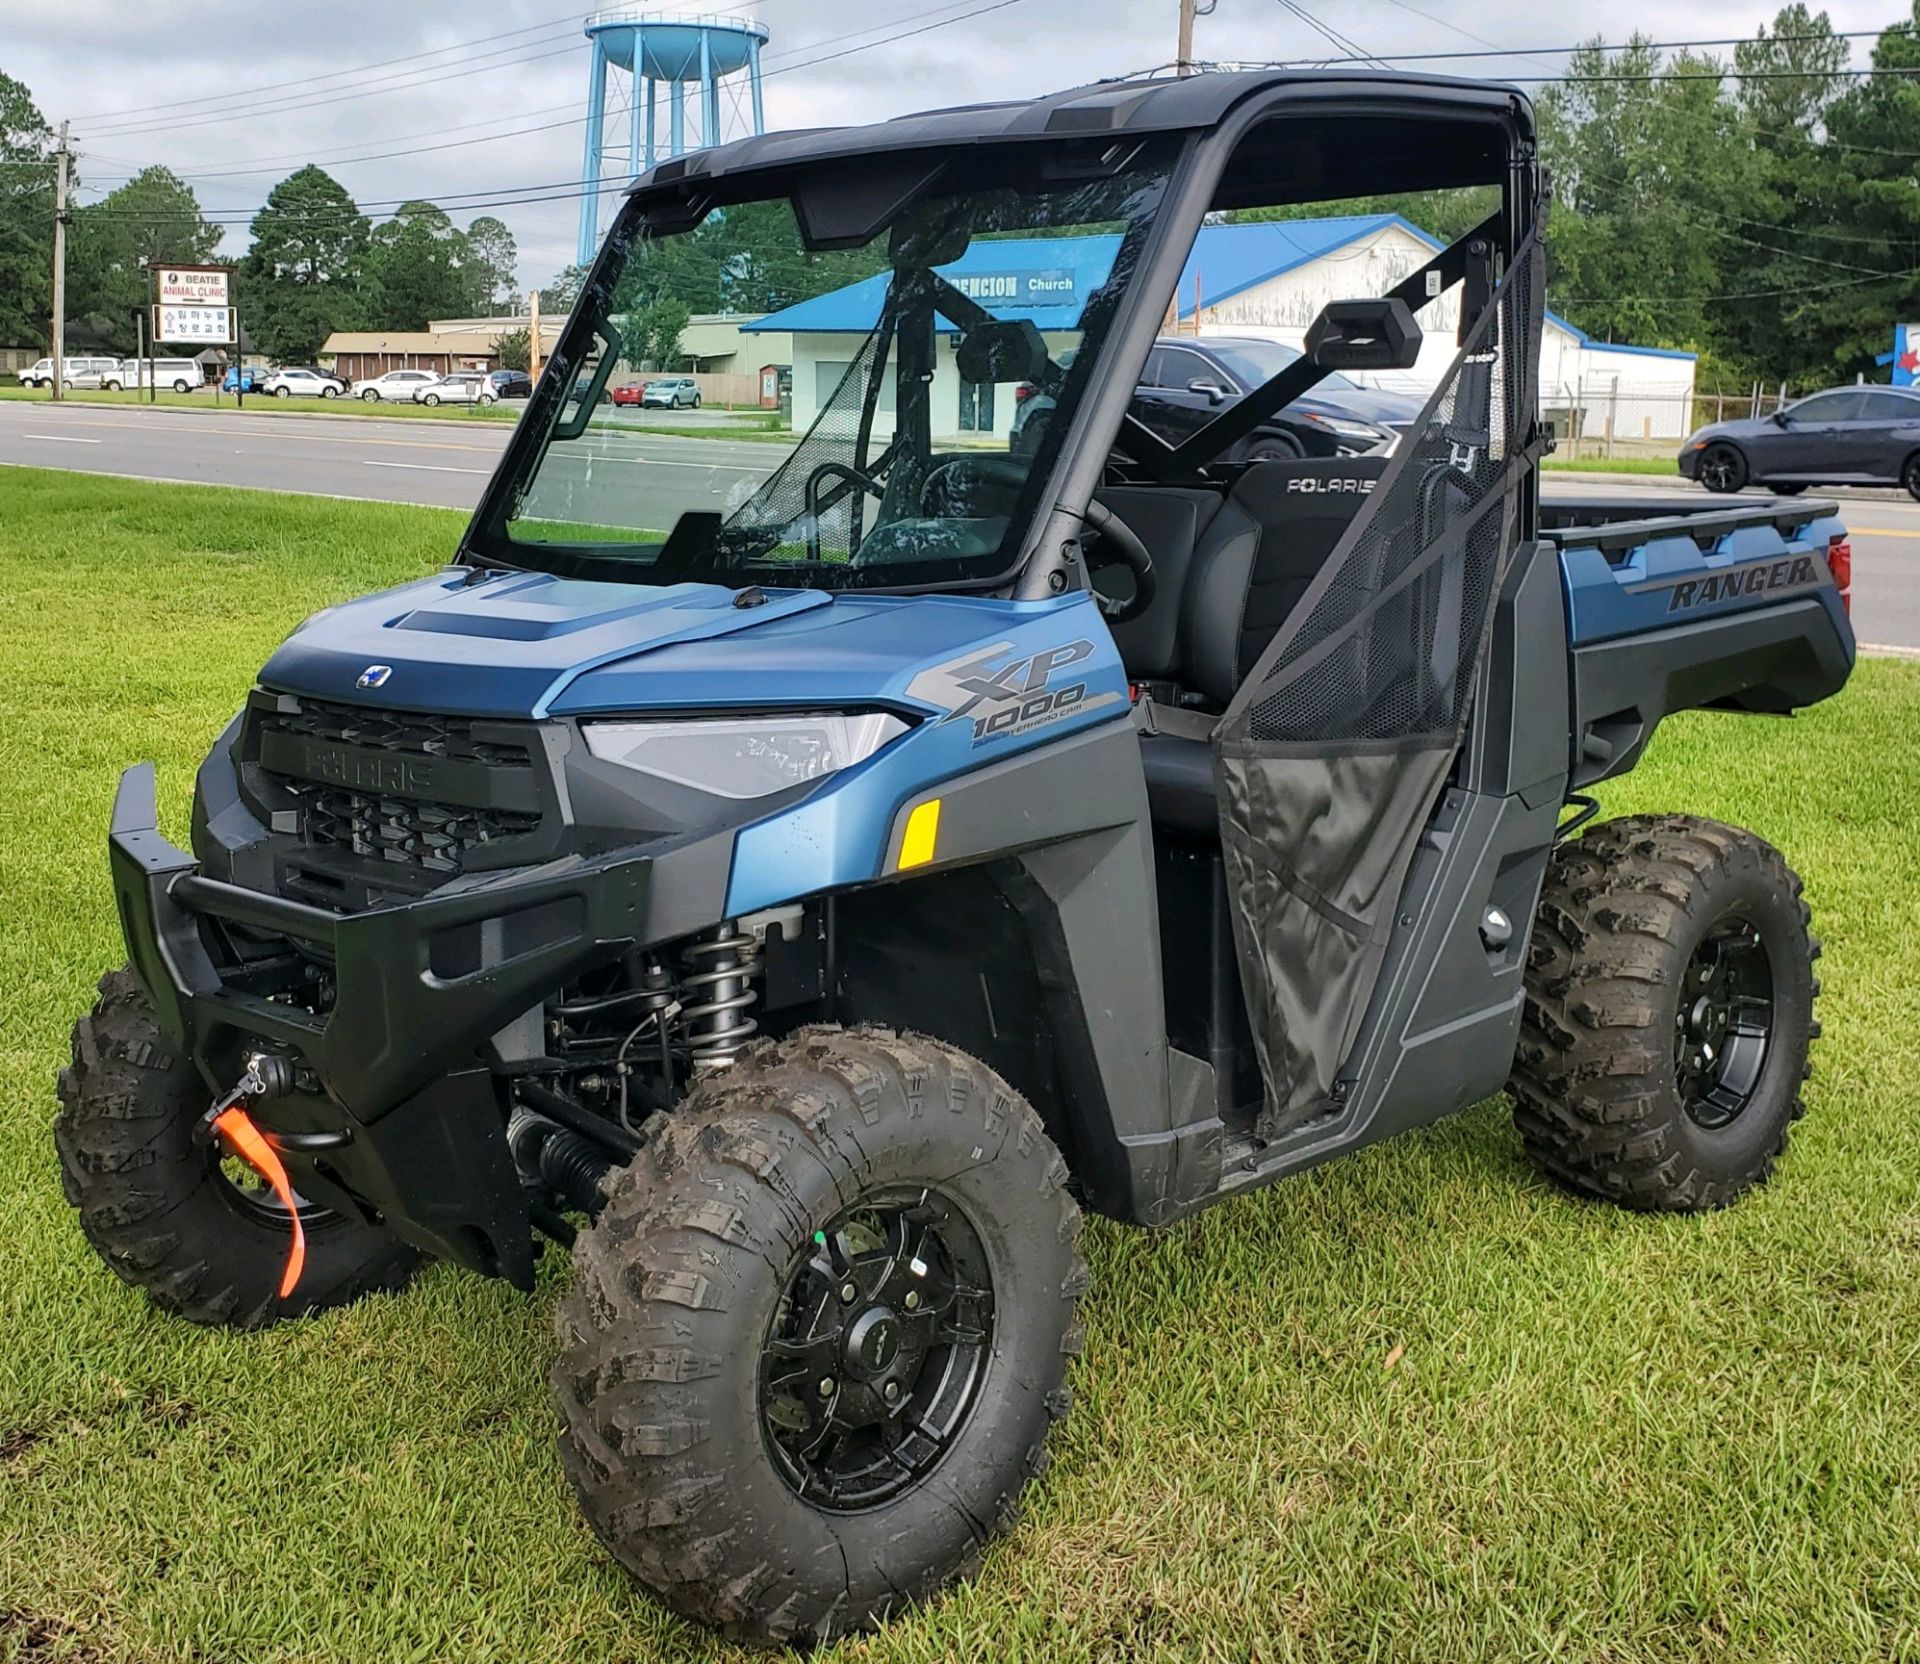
[{"x": 1413, "y": 1406}]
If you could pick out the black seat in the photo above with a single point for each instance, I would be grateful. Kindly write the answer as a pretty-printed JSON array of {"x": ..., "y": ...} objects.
[{"x": 1254, "y": 562}]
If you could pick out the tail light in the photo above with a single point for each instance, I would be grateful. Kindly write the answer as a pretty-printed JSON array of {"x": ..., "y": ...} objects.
[
  {"x": 1023, "y": 391},
  {"x": 1840, "y": 564}
]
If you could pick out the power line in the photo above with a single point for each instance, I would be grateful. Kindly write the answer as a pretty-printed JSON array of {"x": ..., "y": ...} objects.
[{"x": 328, "y": 75}]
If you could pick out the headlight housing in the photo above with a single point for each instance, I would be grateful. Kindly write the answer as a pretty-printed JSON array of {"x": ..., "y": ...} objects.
[{"x": 743, "y": 757}]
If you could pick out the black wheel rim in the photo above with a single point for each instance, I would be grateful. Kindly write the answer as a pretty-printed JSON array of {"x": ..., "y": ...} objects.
[
  {"x": 250, "y": 1196},
  {"x": 1718, "y": 471},
  {"x": 1723, "y": 1027},
  {"x": 877, "y": 1349}
]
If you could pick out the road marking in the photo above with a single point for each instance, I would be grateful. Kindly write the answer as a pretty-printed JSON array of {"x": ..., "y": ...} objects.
[
  {"x": 422, "y": 467},
  {"x": 61, "y": 438},
  {"x": 1878, "y": 531}
]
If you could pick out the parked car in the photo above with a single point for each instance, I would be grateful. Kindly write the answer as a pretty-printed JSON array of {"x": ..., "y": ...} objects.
[
  {"x": 398, "y": 386},
  {"x": 303, "y": 383},
  {"x": 1844, "y": 436},
  {"x": 628, "y": 392},
  {"x": 670, "y": 394},
  {"x": 75, "y": 372},
  {"x": 179, "y": 375},
  {"x": 464, "y": 387},
  {"x": 1190, "y": 379},
  {"x": 248, "y": 379},
  {"x": 511, "y": 384}
]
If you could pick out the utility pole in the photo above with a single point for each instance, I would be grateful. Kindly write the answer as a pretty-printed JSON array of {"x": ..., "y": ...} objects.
[
  {"x": 61, "y": 158},
  {"x": 1189, "y": 10},
  {"x": 533, "y": 335}
]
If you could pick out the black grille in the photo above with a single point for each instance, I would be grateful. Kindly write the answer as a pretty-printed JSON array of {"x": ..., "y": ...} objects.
[
  {"x": 411, "y": 732},
  {"x": 414, "y": 833}
]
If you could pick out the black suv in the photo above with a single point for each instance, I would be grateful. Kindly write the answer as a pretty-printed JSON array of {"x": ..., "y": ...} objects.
[
  {"x": 511, "y": 384},
  {"x": 1189, "y": 379}
]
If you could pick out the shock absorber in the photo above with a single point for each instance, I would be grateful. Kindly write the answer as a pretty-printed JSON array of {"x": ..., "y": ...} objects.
[{"x": 716, "y": 993}]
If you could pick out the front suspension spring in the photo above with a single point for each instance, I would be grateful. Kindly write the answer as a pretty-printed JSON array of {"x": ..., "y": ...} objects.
[{"x": 717, "y": 993}]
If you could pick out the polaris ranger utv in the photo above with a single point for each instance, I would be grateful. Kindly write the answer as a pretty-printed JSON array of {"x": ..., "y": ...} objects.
[{"x": 802, "y": 881}]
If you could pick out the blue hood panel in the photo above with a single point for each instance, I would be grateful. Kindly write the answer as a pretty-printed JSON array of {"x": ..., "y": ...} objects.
[{"x": 507, "y": 646}]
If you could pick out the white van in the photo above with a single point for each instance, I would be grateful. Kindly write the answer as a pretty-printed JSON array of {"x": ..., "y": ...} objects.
[
  {"x": 182, "y": 375},
  {"x": 77, "y": 372}
]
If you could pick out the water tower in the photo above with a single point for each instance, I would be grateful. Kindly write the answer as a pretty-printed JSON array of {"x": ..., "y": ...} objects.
[{"x": 684, "y": 52}]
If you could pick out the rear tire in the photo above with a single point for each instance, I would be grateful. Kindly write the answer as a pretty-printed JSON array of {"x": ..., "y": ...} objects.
[
  {"x": 1722, "y": 468},
  {"x": 752, "y": 1484},
  {"x": 1788, "y": 488},
  {"x": 1670, "y": 995},
  {"x": 1272, "y": 450},
  {"x": 159, "y": 1207},
  {"x": 1910, "y": 476}
]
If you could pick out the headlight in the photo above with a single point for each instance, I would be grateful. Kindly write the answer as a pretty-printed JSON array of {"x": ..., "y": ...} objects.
[
  {"x": 746, "y": 757},
  {"x": 1351, "y": 430}
]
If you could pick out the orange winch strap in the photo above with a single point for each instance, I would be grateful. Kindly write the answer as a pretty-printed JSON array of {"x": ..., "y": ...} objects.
[{"x": 250, "y": 1145}]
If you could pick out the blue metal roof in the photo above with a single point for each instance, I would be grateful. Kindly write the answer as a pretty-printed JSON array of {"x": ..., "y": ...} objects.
[{"x": 1014, "y": 277}]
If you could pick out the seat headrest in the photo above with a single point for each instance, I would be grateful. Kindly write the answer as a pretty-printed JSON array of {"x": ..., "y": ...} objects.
[{"x": 1008, "y": 349}]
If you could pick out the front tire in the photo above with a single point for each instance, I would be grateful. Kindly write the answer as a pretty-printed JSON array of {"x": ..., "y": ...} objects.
[
  {"x": 1910, "y": 476},
  {"x": 819, "y": 1334},
  {"x": 430, "y": 399},
  {"x": 1670, "y": 994},
  {"x": 164, "y": 1211},
  {"x": 1722, "y": 469},
  {"x": 283, "y": 392}
]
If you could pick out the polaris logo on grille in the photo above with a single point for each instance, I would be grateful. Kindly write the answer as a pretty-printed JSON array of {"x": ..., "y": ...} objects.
[
  {"x": 374, "y": 676},
  {"x": 368, "y": 771}
]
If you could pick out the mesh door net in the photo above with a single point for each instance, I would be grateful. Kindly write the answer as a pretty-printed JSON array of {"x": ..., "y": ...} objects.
[{"x": 1334, "y": 749}]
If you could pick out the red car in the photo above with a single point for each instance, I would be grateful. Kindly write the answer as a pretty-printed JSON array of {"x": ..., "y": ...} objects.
[{"x": 628, "y": 392}]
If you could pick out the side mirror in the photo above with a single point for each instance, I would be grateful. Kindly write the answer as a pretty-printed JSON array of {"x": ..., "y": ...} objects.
[
  {"x": 1780, "y": 419},
  {"x": 1212, "y": 390},
  {"x": 1365, "y": 335}
]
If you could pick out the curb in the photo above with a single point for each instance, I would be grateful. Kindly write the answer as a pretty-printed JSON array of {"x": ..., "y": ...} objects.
[{"x": 1673, "y": 482}]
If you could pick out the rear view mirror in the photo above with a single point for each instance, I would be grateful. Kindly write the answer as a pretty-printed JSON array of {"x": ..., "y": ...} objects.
[
  {"x": 1364, "y": 335},
  {"x": 1213, "y": 392}
]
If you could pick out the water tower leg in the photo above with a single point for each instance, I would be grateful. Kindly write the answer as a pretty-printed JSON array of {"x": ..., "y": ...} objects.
[
  {"x": 753, "y": 78},
  {"x": 636, "y": 147},
  {"x": 677, "y": 118},
  {"x": 709, "y": 94},
  {"x": 590, "y": 163},
  {"x": 651, "y": 128}
]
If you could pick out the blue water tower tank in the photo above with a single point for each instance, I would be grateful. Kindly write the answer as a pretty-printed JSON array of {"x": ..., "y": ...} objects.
[{"x": 677, "y": 50}]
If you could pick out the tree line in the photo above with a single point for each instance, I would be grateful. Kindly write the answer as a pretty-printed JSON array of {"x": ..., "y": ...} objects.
[{"x": 1762, "y": 210}]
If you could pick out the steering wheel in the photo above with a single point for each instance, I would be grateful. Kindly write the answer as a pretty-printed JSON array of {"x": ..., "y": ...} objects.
[
  {"x": 1131, "y": 553},
  {"x": 994, "y": 470}
]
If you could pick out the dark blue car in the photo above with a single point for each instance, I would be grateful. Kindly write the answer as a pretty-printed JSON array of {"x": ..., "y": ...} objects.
[{"x": 1844, "y": 436}]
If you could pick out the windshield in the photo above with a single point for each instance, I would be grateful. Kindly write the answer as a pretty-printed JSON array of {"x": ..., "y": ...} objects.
[
  {"x": 887, "y": 357},
  {"x": 1254, "y": 362}
]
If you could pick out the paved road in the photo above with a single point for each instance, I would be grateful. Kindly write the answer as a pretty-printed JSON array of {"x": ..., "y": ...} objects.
[{"x": 408, "y": 461}]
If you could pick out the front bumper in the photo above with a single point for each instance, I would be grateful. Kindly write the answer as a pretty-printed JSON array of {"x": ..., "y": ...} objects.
[{"x": 409, "y": 1127}]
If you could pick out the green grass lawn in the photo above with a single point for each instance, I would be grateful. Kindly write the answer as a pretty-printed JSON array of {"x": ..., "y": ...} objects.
[
  {"x": 1663, "y": 465},
  {"x": 1412, "y": 1406}
]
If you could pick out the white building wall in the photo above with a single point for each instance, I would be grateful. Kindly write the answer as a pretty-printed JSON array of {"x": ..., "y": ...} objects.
[
  {"x": 1644, "y": 395},
  {"x": 819, "y": 361}
]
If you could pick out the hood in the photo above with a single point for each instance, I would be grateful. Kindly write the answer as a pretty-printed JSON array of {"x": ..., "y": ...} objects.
[
  {"x": 527, "y": 644},
  {"x": 1366, "y": 404},
  {"x": 502, "y": 644}
]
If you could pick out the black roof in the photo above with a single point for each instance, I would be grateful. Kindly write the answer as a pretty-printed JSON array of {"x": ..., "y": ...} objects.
[{"x": 1181, "y": 104}]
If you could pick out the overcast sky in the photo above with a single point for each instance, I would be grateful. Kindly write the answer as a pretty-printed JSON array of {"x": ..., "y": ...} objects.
[{"x": 110, "y": 66}]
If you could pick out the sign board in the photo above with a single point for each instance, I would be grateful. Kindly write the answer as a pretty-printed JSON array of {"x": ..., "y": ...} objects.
[
  {"x": 203, "y": 325},
  {"x": 1054, "y": 286},
  {"x": 1906, "y": 355},
  {"x": 191, "y": 285}
]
